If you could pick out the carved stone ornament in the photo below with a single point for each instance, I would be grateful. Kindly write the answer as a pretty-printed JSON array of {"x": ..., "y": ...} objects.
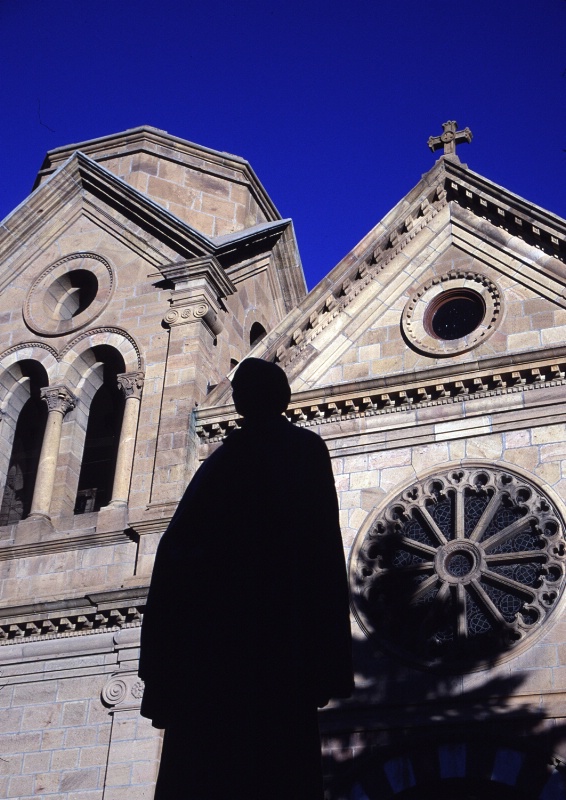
[
  {"x": 469, "y": 302},
  {"x": 460, "y": 568},
  {"x": 115, "y": 691},
  {"x": 58, "y": 398},
  {"x": 131, "y": 384},
  {"x": 123, "y": 692},
  {"x": 199, "y": 311},
  {"x": 449, "y": 138}
]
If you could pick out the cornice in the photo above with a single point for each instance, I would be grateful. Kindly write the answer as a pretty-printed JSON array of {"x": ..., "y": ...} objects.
[
  {"x": 398, "y": 394},
  {"x": 203, "y": 268},
  {"x": 97, "y": 612},
  {"x": 80, "y": 174},
  {"x": 135, "y": 205}
]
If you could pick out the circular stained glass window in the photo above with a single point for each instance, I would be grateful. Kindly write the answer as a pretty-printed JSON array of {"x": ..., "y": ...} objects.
[{"x": 460, "y": 568}]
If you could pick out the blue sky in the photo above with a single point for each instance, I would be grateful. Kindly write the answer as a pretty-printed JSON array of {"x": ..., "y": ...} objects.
[{"x": 331, "y": 102}]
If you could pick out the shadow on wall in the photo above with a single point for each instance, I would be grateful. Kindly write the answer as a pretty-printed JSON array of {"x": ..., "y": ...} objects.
[{"x": 441, "y": 726}]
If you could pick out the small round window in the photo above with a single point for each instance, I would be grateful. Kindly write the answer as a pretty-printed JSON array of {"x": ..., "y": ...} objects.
[
  {"x": 71, "y": 294},
  {"x": 68, "y": 294},
  {"x": 451, "y": 313},
  {"x": 454, "y": 314}
]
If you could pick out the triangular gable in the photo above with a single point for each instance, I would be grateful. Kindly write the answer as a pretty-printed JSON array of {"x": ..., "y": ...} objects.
[
  {"x": 82, "y": 186},
  {"x": 454, "y": 229}
]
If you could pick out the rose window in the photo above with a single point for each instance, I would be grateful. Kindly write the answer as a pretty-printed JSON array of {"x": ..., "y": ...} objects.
[{"x": 460, "y": 567}]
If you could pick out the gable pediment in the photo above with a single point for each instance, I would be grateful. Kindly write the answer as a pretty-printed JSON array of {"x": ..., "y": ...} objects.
[
  {"x": 82, "y": 188},
  {"x": 453, "y": 231}
]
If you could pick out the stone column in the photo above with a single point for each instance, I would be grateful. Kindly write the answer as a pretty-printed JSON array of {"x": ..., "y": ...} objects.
[
  {"x": 131, "y": 384},
  {"x": 59, "y": 400}
]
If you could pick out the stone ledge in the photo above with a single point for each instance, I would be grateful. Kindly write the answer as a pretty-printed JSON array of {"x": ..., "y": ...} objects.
[
  {"x": 386, "y": 399},
  {"x": 94, "y": 613}
]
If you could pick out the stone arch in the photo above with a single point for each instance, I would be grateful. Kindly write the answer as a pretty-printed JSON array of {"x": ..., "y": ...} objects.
[
  {"x": 21, "y": 431},
  {"x": 11, "y": 373},
  {"x": 257, "y": 333},
  {"x": 90, "y": 368},
  {"x": 75, "y": 359}
]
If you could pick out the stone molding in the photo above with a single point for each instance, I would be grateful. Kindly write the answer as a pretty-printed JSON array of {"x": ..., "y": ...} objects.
[
  {"x": 150, "y": 140},
  {"x": 104, "y": 329},
  {"x": 61, "y": 541},
  {"x": 454, "y": 183},
  {"x": 199, "y": 310},
  {"x": 37, "y": 314},
  {"x": 386, "y": 399},
  {"x": 29, "y": 345},
  {"x": 200, "y": 285},
  {"x": 195, "y": 270},
  {"x": 109, "y": 611},
  {"x": 413, "y": 318},
  {"x": 375, "y": 260}
]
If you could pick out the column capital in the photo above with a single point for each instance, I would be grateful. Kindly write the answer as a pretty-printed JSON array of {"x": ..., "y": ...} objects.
[
  {"x": 131, "y": 384},
  {"x": 58, "y": 398}
]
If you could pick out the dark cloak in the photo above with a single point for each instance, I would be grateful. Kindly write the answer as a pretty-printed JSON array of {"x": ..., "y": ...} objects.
[{"x": 247, "y": 628}]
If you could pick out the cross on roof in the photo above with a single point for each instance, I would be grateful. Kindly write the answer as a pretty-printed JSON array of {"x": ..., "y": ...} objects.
[{"x": 450, "y": 138}]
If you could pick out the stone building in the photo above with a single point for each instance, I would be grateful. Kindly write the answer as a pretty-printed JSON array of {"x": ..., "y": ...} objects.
[{"x": 431, "y": 359}]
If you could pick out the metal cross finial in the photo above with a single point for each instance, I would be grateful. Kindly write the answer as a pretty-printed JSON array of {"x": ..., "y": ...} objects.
[{"x": 450, "y": 138}]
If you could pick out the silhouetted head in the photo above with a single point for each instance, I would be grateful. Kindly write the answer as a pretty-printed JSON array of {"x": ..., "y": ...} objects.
[{"x": 260, "y": 389}]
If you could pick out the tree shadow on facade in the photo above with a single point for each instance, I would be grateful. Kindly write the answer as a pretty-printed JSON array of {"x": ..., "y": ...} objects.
[{"x": 436, "y": 712}]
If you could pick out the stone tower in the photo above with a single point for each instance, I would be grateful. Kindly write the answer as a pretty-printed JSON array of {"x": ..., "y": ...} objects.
[{"x": 134, "y": 278}]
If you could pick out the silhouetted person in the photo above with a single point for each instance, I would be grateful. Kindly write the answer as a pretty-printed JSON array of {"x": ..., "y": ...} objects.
[{"x": 247, "y": 628}]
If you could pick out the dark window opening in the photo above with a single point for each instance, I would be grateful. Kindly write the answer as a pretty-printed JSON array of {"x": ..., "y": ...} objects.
[
  {"x": 100, "y": 450},
  {"x": 26, "y": 449},
  {"x": 455, "y": 314},
  {"x": 102, "y": 437},
  {"x": 257, "y": 333},
  {"x": 85, "y": 285},
  {"x": 72, "y": 293}
]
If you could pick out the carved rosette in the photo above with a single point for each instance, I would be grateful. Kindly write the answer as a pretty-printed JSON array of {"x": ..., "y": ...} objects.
[
  {"x": 460, "y": 567},
  {"x": 131, "y": 384},
  {"x": 58, "y": 398},
  {"x": 123, "y": 692}
]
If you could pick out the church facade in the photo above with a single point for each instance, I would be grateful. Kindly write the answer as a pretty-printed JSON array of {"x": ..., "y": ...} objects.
[{"x": 137, "y": 275}]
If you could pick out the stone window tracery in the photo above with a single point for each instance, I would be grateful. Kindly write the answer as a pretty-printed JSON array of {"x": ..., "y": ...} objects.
[{"x": 460, "y": 567}]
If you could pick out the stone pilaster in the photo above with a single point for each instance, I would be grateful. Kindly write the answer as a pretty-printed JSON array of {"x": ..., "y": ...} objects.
[{"x": 194, "y": 320}]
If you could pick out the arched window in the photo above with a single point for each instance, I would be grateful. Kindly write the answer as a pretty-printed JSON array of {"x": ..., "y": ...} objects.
[
  {"x": 26, "y": 447},
  {"x": 102, "y": 436},
  {"x": 257, "y": 333}
]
